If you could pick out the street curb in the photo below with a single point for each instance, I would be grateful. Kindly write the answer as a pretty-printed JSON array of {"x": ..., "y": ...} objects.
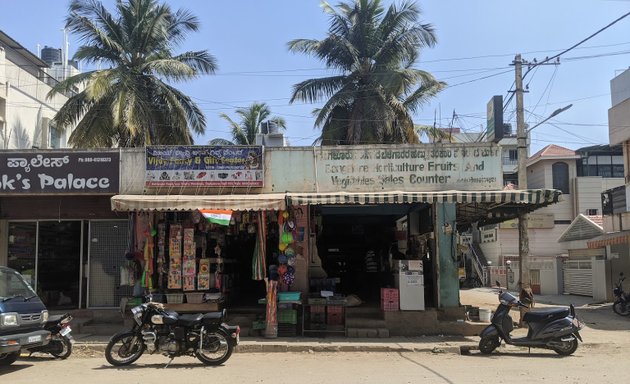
[{"x": 99, "y": 348}]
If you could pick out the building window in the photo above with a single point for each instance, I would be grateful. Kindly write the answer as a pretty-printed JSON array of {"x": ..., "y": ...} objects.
[
  {"x": 591, "y": 212},
  {"x": 513, "y": 154},
  {"x": 560, "y": 173}
]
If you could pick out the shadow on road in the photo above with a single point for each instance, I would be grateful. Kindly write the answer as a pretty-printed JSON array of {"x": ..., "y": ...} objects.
[
  {"x": 136, "y": 366},
  {"x": 15, "y": 367}
]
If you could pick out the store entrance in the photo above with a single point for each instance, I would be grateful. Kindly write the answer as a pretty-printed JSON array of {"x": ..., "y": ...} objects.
[
  {"x": 356, "y": 245},
  {"x": 48, "y": 254}
]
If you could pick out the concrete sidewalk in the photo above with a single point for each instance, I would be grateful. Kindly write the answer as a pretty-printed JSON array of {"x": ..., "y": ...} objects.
[{"x": 429, "y": 344}]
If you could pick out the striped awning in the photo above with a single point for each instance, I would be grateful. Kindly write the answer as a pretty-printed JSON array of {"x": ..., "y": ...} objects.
[
  {"x": 609, "y": 239},
  {"x": 263, "y": 201},
  {"x": 529, "y": 196}
]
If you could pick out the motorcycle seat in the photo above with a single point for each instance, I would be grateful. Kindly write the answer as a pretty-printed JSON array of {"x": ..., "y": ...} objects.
[
  {"x": 170, "y": 317},
  {"x": 213, "y": 318},
  {"x": 545, "y": 315},
  {"x": 189, "y": 320}
]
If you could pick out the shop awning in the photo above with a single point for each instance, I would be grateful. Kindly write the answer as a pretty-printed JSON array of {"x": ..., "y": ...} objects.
[
  {"x": 529, "y": 196},
  {"x": 258, "y": 202},
  {"x": 481, "y": 207},
  {"x": 609, "y": 239}
]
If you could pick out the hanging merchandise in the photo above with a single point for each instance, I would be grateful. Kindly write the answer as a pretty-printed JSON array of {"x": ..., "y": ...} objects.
[
  {"x": 271, "y": 318},
  {"x": 189, "y": 262},
  {"x": 203, "y": 278},
  {"x": 259, "y": 268},
  {"x": 175, "y": 257},
  {"x": 161, "y": 259}
]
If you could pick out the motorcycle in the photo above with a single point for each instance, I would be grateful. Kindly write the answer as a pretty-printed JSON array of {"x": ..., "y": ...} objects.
[
  {"x": 61, "y": 342},
  {"x": 621, "y": 306},
  {"x": 555, "y": 328},
  {"x": 157, "y": 330}
]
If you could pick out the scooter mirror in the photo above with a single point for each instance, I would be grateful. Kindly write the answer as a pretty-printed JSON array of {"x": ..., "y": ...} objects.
[
  {"x": 620, "y": 274},
  {"x": 497, "y": 283}
]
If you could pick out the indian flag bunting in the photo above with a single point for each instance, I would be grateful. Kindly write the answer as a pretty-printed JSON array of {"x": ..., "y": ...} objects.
[{"x": 217, "y": 216}]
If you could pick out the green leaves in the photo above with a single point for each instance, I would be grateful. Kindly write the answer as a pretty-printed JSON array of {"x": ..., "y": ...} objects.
[
  {"x": 374, "y": 50},
  {"x": 129, "y": 104}
]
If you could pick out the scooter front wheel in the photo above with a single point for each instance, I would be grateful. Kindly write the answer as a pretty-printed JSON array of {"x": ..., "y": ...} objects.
[
  {"x": 566, "y": 348},
  {"x": 621, "y": 308},
  {"x": 488, "y": 344}
]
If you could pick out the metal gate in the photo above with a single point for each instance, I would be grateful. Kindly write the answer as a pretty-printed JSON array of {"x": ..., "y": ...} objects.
[
  {"x": 108, "y": 243},
  {"x": 578, "y": 277}
]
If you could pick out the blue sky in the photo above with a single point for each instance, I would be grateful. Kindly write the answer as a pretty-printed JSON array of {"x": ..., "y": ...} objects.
[{"x": 477, "y": 41}]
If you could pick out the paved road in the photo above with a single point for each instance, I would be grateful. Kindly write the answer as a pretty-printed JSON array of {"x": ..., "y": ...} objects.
[{"x": 586, "y": 366}]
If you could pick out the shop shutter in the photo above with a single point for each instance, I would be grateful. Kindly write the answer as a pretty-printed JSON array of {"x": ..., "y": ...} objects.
[
  {"x": 108, "y": 242},
  {"x": 578, "y": 277}
]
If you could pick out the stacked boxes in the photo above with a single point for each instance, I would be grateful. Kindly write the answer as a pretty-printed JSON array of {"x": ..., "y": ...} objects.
[
  {"x": 390, "y": 299},
  {"x": 287, "y": 322}
]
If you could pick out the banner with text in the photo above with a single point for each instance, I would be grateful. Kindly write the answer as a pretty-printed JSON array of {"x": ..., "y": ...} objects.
[
  {"x": 204, "y": 166},
  {"x": 59, "y": 172},
  {"x": 425, "y": 167}
]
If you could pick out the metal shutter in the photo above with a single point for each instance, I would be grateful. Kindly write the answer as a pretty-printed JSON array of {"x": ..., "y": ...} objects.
[{"x": 578, "y": 277}]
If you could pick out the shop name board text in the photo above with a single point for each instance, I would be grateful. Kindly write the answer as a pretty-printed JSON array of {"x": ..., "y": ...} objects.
[{"x": 428, "y": 167}]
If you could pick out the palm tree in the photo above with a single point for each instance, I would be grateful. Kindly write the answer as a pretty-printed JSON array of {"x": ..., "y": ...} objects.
[
  {"x": 131, "y": 102},
  {"x": 377, "y": 88},
  {"x": 252, "y": 120}
]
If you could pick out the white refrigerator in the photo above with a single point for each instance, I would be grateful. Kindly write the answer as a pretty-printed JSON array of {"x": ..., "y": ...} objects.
[{"x": 410, "y": 284}]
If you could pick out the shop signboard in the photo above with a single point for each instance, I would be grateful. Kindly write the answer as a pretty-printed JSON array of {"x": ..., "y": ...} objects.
[
  {"x": 425, "y": 167},
  {"x": 536, "y": 221},
  {"x": 66, "y": 172},
  {"x": 204, "y": 166}
]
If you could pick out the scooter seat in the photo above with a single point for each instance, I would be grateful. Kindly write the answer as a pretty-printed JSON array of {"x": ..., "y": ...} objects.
[
  {"x": 545, "y": 315},
  {"x": 189, "y": 320}
]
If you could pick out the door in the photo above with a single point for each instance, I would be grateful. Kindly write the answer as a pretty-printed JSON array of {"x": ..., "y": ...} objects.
[
  {"x": 108, "y": 243},
  {"x": 48, "y": 255},
  {"x": 534, "y": 274}
]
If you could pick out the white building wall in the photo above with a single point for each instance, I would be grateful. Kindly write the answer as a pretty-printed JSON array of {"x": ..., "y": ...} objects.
[
  {"x": 588, "y": 192},
  {"x": 27, "y": 109}
]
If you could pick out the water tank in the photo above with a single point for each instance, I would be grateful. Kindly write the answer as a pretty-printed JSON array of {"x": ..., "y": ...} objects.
[{"x": 51, "y": 55}]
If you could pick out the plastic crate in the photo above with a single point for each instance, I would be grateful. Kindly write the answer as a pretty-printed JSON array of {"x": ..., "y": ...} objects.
[
  {"x": 390, "y": 305},
  {"x": 317, "y": 318},
  {"x": 157, "y": 297},
  {"x": 194, "y": 297},
  {"x": 317, "y": 300},
  {"x": 287, "y": 316},
  {"x": 134, "y": 301},
  {"x": 289, "y": 296},
  {"x": 334, "y": 319},
  {"x": 389, "y": 294},
  {"x": 334, "y": 309},
  {"x": 317, "y": 308},
  {"x": 174, "y": 298}
]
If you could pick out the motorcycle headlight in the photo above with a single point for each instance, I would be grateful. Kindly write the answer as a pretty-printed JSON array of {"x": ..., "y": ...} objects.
[
  {"x": 44, "y": 316},
  {"x": 9, "y": 319}
]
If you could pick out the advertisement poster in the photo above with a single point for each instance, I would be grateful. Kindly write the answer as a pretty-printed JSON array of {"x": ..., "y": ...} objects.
[{"x": 204, "y": 166}]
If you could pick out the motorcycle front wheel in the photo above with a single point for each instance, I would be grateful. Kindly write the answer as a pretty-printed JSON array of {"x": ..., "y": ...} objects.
[
  {"x": 216, "y": 348},
  {"x": 567, "y": 348},
  {"x": 64, "y": 348},
  {"x": 621, "y": 308},
  {"x": 124, "y": 348},
  {"x": 487, "y": 345}
]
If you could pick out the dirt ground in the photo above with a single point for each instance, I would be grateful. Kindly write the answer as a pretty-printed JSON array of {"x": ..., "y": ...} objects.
[{"x": 603, "y": 326}]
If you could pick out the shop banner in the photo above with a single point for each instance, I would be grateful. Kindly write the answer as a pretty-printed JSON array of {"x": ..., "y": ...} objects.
[
  {"x": 69, "y": 172},
  {"x": 427, "y": 167},
  {"x": 204, "y": 166}
]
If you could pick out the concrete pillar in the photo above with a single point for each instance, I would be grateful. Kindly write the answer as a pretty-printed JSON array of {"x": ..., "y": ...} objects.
[{"x": 445, "y": 240}]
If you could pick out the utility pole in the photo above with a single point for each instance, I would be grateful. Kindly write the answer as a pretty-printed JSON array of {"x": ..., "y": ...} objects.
[{"x": 521, "y": 142}]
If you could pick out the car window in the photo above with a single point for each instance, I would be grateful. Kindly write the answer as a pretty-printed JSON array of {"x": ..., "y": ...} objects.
[{"x": 12, "y": 284}]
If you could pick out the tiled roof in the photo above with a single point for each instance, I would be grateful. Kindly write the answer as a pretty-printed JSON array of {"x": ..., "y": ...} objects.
[{"x": 553, "y": 150}]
